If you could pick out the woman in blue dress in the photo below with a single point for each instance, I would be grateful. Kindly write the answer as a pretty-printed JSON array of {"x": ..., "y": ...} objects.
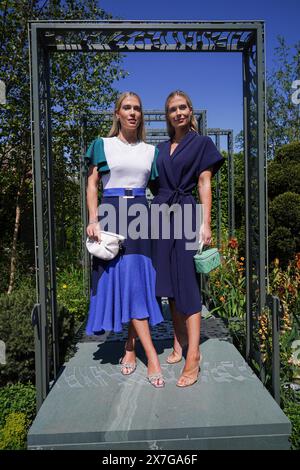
[
  {"x": 185, "y": 161},
  {"x": 123, "y": 289}
]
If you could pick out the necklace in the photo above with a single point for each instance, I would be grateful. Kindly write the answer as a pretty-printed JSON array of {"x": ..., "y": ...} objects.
[{"x": 127, "y": 143}]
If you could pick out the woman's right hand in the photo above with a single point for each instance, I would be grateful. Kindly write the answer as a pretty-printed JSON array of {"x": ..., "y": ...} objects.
[{"x": 94, "y": 231}]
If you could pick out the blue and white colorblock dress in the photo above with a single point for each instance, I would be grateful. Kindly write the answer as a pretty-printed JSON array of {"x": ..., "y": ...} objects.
[{"x": 123, "y": 288}]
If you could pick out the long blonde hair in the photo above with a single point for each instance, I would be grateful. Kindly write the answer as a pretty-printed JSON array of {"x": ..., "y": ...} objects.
[
  {"x": 115, "y": 128},
  {"x": 193, "y": 122}
]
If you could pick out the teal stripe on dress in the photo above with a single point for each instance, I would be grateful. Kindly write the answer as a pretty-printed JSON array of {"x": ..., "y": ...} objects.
[
  {"x": 95, "y": 155},
  {"x": 154, "y": 171}
]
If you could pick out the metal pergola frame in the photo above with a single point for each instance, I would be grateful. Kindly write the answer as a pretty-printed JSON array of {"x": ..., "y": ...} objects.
[
  {"x": 217, "y": 133},
  {"x": 245, "y": 37}
]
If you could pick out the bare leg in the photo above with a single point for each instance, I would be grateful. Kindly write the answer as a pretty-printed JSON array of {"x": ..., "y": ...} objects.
[
  {"x": 180, "y": 334},
  {"x": 191, "y": 369},
  {"x": 143, "y": 331},
  {"x": 130, "y": 357}
]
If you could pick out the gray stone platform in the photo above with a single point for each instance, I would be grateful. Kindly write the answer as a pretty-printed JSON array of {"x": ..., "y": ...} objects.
[{"x": 92, "y": 406}]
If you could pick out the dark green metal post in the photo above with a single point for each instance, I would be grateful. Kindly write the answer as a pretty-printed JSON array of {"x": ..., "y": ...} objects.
[
  {"x": 231, "y": 209},
  {"x": 84, "y": 213},
  {"x": 42, "y": 379},
  {"x": 51, "y": 227},
  {"x": 246, "y": 109},
  {"x": 218, "y": 198},
  {"x": 273, "y": 303}
]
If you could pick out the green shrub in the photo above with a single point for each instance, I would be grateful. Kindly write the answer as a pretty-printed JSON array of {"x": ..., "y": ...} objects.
[
  {"x": 17, "y": 333},
  {"x": 282, "y": 245},
  {"x": 291, "y": 407},
  {"x": 285, "y": 212},
  {"x": 284, "y": 203},
  {"x": 283, "y": 178},
  {"x": 71, "y": 293},
  {"x": 226, "y": 290},
  {"x": 288, "y": 153},
  {"x": 17, "y": 398},
  {"x": 284, "y": 226},
  {"x": 13, "y": 434}
]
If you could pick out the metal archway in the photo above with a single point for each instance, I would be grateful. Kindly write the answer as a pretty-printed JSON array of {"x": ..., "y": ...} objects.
[{"x": 244, "y": 37}]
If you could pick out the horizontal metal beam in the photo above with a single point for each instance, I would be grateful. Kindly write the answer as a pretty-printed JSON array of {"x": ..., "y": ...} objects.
[
  {"x": 142, "y": 25},
  {"x": 143, "y": 36},
  {"x": 152, "y": 112},
  {"x": 217, "y": 131},
  {"x": 143, "y": 48}
]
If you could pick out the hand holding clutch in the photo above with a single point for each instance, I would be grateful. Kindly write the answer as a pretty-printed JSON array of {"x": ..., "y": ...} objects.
[{"x": 108, "y": 247}]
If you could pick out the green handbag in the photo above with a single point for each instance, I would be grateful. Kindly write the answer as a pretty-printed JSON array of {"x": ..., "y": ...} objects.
[{"x": 207, "y": 260}]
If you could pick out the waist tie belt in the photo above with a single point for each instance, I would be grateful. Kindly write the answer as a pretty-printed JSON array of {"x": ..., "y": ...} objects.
[
  {"x": 173, "y": 195},
  {"x": 124, "y": 192}
]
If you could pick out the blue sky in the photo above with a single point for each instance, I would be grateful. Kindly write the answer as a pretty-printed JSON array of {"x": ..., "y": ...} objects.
[{"x": 213, "y": 81}]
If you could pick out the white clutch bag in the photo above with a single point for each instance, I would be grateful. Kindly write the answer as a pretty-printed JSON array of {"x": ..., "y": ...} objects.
[{"x": 108, "y": 247}]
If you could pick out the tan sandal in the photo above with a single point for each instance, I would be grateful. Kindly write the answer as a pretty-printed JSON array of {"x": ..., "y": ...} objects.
[
  {"x": 154, "y": 378},
  {"x": 131, "y": 366},
  {"x": 169, "y": 359},
  {"x": 190, "y": 380}
]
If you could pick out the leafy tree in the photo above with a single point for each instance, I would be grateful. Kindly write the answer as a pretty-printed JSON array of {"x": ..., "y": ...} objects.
[
  {"x": 284, "y": 202},
  {"x": 283, "y": 115},
  {"x": 78, "y": 82},
  {"x": 284, "y": 225}
]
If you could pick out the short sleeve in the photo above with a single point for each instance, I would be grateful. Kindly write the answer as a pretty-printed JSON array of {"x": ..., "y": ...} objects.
[
  {"x": 154, "y": 171},
  {"x": 210, "y": 158},
  {"x": 95, "y": 155}
]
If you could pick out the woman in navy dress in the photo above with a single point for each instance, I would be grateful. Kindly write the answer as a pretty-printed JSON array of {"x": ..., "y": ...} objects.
[
  {"x": 123, "y": 289},
  {"x": 184, "y": 161}
]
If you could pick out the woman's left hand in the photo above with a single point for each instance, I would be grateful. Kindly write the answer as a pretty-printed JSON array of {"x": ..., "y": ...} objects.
[{"x": 205, "y": 234}]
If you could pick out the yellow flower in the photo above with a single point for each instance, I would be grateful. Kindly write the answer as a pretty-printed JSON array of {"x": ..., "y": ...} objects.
[
  {"x": 222, "y": 298},
  {"x": 65, "y": 286},
  {"x": 242, "y": 258}
]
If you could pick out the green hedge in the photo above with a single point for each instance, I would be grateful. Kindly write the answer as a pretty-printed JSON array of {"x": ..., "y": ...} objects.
[
  {"x": 282, "y": 178},
  {"x": 284, "y": 226},
  {"x": 291, "y": 407},
  {"x": 284, "y": 203},
  {"x": 288, "y": 153},
  {"x": 17, "y": 398},
  {"x": 17, "y": 333},
  {"x": 17, "y": 411},
  {"x": 14, "y": 433}
]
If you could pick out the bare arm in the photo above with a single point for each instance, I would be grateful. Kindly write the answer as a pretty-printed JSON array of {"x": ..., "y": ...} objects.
[
  {"x": 205, "y": 196},
  {"x": 93, "y": 229}
]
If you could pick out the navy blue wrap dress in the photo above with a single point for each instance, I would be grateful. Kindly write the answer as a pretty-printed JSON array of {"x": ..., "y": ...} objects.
[{"x": 177, "y": 177}]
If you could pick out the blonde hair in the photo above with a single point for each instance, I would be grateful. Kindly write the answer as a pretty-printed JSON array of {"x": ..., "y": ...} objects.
[
  {"x": 115, "y": 128},
  {"x": 193, "y": 122}
]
